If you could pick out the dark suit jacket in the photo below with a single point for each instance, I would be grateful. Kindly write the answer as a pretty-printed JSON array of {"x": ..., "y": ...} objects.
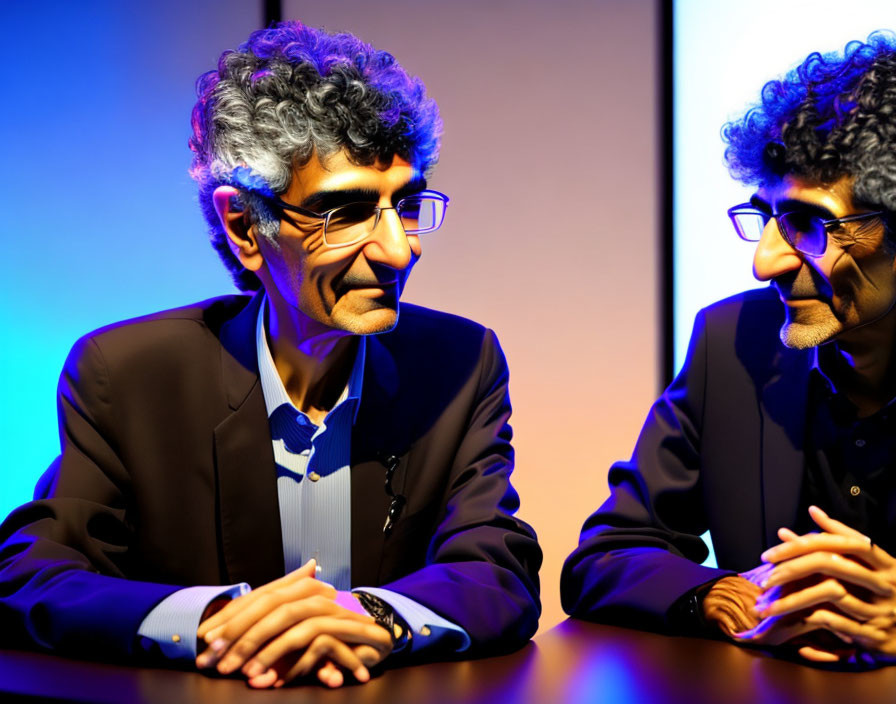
[
  {"x": 167, "y": 479},
  {"x": 721, "y": 450}
]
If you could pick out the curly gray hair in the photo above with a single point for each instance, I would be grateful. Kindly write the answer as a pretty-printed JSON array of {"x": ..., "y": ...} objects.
[{"x": 288, "y": 93}]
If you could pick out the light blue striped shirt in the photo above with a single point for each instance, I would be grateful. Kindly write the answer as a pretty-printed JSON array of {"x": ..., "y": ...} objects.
[{"x": 314, "y": 494}]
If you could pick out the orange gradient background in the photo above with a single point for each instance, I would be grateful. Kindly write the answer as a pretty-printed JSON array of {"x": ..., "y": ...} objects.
[{"x": 550, "y": 157}]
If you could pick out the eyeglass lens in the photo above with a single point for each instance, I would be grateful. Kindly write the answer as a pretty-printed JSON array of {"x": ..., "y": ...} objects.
[
  {"x": 803, "y": 232},
  {"x": 353, "y": 222}
]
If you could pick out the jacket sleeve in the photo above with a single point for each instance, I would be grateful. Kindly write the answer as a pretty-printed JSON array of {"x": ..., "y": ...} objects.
[
  {"x": 641, "y": 550},
  {"x": 63, "y": 556},
  {"x": 482, "y": 563}
]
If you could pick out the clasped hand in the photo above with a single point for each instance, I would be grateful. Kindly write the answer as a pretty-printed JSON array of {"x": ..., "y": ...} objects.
[
  {"x": 290, "y": 628},
  {"x": 835, "y": 581}
]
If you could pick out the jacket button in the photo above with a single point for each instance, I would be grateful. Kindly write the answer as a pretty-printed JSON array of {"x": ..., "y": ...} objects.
[{"x": 854, "y": 490}]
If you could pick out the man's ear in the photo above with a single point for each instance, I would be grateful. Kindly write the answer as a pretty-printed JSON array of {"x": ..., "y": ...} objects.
[{"x": 241, "y": 235}]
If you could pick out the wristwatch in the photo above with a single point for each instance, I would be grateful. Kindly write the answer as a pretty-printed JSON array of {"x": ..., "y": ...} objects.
[
  {"x": 685, "y": 617},
  {"x": 386, "y": 617}
]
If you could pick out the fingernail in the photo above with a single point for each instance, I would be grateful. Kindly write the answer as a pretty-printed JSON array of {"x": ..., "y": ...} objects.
[
  {"x": 203, "y": 660},
  {"x": 361, "y": 674},
  {"x": 253, "y": 668},
  {"x": 219, "y": 645}
]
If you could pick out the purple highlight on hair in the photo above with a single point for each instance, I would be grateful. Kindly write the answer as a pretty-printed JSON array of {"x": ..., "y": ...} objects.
[
  {"x": 830, "y": 116},
  {"x": 259, "y": 75},
  {"x": 246, "y": 179}
]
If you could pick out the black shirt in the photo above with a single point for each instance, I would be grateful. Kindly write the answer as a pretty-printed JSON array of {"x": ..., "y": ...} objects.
[{"x": 850, "y": 463}]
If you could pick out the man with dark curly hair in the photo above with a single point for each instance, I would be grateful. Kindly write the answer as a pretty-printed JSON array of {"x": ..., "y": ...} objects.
[
  {"x": 295, "y": 481},
  {"x": 777, "y": 435}
]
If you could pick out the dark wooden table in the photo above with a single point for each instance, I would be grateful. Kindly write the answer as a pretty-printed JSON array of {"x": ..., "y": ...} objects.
[{"x": 573, "y": 663}]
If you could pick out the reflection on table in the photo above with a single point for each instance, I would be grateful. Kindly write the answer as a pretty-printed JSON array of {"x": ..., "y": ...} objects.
[{"x": 573, "y": 663}]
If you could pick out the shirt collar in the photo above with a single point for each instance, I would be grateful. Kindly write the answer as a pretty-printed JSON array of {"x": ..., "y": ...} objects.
[
  {"x": 827, "y": 384},
  {"x": 272, "y": 385},
  {"x": 816, "y": 370}
]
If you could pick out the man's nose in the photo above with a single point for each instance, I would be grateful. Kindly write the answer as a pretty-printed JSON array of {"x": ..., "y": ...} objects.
[
  {"x": 388, "y": 243},
  {"x": 773, "y": 255}
]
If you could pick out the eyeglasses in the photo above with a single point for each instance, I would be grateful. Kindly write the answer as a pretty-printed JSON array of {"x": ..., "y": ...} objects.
[
  {"x": 804, "y": 232},
  {"x": 350, "y": 223}
]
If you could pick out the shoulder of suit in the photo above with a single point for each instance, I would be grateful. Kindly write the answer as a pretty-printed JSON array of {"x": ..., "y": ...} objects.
[
  {"x": 210, "y": 313},
  {"x": 760, "y": 304},
  {"x": 426, "y": 323},
  {"x": 177, "y": 328}
]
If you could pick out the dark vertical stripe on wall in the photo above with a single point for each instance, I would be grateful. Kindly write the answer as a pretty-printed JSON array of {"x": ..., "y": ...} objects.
[
  {"x": 666, "y": 194},
  {"x": 273, "y": 12}
]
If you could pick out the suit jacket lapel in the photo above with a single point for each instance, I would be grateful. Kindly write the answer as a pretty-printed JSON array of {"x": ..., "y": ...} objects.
[
  {"x": 377, "y": 433},
  {"x": 248, "y": 508},
  {"x": 783, "y": 416}
]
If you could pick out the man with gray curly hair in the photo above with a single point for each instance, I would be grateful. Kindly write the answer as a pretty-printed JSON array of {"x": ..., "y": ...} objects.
[
  {"x": 777, "y": 435},
  {"x": 298, "y": 481}
]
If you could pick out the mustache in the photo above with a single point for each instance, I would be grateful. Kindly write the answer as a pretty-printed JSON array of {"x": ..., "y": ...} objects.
[
  {"x": 365, "y": 280},
  {"x": 802, "y": 283}
]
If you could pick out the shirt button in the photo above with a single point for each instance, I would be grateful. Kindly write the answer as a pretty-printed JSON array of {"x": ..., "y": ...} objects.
[
  {"x": 854, "y": 490},
  {"x": 313, "y": 476},
  {"x": 860, "y": 442}
]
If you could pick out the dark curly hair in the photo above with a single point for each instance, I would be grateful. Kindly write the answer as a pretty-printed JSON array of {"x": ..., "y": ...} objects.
[
  {"x": 290, "y": 92},
  {"x": 832, "y": 116}
]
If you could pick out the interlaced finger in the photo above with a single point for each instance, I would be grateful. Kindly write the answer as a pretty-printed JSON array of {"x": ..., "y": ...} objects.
[
  {"x": 280, "y": 620},
  {"x": 237, "y": 605},
  {"x": 832, "y": 525},
  {"x": 828, "y": 591},
  {"x": 845, "y": 628},
  {"x": 300, "y": 636},
  {"x": 257, "y": 609},
  {"x": 859, "y": 547},
  {"x": 831, "y": 564},
  {"x": 327, "y": 647}
]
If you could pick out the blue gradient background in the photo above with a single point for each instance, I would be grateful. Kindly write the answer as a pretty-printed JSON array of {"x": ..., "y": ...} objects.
[{"x": 100, "y": 220}]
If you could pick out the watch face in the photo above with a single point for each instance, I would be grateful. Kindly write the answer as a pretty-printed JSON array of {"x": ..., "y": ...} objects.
[{"x": 386, "y": 617}]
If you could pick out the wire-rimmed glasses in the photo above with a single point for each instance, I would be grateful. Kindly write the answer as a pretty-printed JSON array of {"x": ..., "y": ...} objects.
[
  {"x": 348, "y": 224},
  {"x": 805, "y": 232}
]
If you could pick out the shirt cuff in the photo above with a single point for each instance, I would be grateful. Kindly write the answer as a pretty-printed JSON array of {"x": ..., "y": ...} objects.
[
  {"x": 173, "y": 622},
  {"x": 428, "y": 628}
]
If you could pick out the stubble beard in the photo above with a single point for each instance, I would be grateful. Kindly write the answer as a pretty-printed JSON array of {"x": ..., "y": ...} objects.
[
  {"x": 376, "y": 320},
  {"x": 813, "y": 328}
]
